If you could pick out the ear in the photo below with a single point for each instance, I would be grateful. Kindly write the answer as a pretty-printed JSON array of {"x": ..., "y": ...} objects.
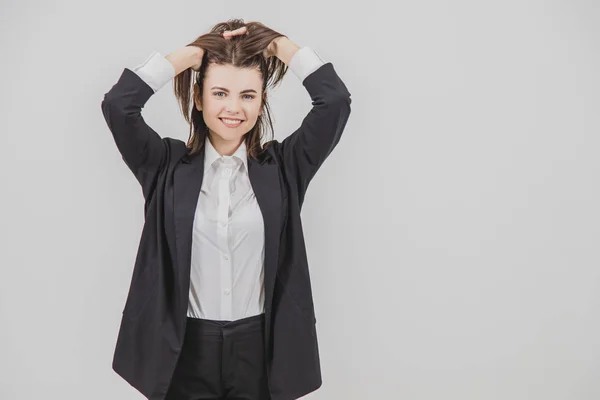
[{"x": 197, "y": 97}]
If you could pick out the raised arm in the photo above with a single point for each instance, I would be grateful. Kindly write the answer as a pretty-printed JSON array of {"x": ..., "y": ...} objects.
[
  {"x": 305, "y": 150},
  {"x": 140, "y": 146}
]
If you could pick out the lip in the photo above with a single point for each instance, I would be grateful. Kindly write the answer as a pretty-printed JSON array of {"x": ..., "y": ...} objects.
[
  {"x": 232, "y": 126},
  {"x": 239, "y": 119}
]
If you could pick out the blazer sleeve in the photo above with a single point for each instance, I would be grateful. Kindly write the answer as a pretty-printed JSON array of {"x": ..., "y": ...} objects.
[
  {"x": 305, "y": 150},
  {"x": 142, "y": 149}
]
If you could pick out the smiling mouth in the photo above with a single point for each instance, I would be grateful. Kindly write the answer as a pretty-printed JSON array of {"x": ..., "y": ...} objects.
[{"x": 231, "y": 124}]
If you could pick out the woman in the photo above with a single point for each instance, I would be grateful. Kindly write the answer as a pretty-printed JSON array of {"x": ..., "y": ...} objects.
[{"x": 220, "y": 303}]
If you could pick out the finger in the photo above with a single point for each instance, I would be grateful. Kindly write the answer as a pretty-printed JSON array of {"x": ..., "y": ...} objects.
[{"x": 239, "y": 31}]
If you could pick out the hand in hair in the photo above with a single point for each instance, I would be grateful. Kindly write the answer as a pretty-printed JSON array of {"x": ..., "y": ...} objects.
[
  {"x": 240, "y": 31},
  {"x": 271, "y": 49},
  {"x": 198, "y": 56}
]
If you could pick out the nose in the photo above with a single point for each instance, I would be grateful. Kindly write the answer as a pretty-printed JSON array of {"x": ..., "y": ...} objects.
[{"x": 232, "y": 107}]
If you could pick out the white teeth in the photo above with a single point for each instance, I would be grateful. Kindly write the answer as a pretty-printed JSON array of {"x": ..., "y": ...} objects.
[{"x": 231, "y": 121}]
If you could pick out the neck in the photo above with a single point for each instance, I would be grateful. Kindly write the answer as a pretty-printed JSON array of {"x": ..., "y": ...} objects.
[{"x": 224, "y": 147}]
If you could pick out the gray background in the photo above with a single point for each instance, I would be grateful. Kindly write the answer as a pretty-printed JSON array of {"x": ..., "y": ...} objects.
[{"x": 452, "y": 235}]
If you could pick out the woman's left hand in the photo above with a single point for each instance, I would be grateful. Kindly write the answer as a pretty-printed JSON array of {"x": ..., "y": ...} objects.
[
  {"x": 271, "y": 49},
  {"x": 240, "y": 31}
]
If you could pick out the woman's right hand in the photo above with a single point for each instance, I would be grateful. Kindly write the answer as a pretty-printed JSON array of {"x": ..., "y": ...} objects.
[{"x": 198, "y": 55}]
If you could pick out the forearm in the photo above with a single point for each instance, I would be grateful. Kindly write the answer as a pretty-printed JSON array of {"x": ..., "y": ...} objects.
[
  {"x": 285, "y": 49},
  {"x": 184, "y": 58}
]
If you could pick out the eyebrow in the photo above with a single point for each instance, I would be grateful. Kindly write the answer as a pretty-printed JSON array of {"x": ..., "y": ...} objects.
[{"x": 243, "y": 91}]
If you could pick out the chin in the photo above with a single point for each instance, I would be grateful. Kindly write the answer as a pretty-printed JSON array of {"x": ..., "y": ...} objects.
[{"x": 229, "y": 136}]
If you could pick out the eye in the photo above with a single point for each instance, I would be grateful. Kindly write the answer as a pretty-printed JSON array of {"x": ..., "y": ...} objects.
[{"x": 248, "y": 96}]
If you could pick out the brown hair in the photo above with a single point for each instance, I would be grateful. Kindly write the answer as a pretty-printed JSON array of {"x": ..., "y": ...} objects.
[{"x": 242, "y": 51}]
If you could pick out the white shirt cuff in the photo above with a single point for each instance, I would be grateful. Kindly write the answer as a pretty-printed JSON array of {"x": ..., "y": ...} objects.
[
  {"x": 156, "y": 71},
  {"x": 304, "y": 62}
]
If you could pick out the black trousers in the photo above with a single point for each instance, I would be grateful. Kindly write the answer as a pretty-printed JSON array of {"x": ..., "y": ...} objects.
[{"x": 221, "y": 360}]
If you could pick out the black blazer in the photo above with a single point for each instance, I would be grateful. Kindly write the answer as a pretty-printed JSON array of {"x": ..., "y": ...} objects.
[{"x": 154, "y": 317}]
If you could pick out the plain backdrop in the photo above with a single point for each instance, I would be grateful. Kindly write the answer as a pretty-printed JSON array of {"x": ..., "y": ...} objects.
[{"x": 452, "y": 235}]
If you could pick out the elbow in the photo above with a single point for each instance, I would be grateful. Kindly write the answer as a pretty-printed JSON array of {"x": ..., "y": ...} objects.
[
  {"x": 110, "y": 111},
  {"x": 105, "y": 107},
  {"x": 341, "y": 103},
  {"x": 341, "y": 97}
]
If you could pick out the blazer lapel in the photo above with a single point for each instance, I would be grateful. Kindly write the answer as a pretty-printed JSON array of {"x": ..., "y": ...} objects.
[
  {"x": 264, "y": 178},
  {"x": 187, "y": 182}
]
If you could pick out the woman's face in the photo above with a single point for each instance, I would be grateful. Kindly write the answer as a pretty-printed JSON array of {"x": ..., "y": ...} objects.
[{"x": 230, "y": 92}]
